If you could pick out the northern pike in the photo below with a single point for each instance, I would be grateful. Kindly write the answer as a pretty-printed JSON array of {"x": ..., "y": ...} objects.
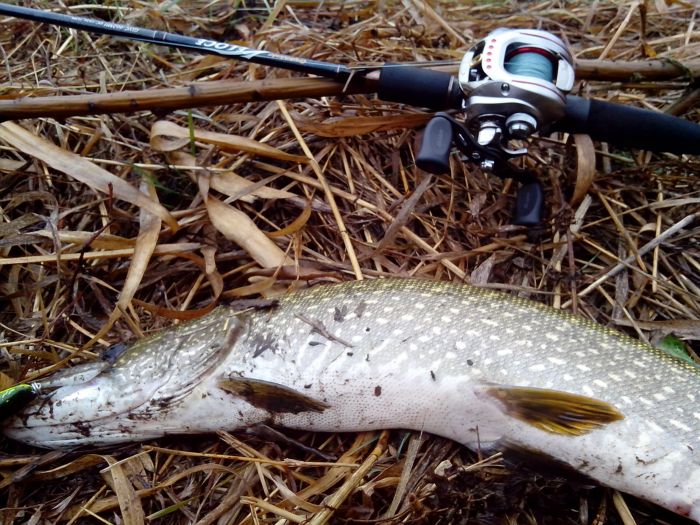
[{"x": 483, "y": 368}]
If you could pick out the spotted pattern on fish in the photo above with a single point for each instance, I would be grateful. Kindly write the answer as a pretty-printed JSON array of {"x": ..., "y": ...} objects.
[{"x": 404, "y": 354}]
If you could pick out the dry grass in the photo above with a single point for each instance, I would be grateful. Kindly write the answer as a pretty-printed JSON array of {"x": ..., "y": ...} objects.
[{"x": 87, "y": 260}]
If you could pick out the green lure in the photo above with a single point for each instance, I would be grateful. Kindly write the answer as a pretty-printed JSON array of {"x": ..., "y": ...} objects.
[{"x": 13, "y": 399}]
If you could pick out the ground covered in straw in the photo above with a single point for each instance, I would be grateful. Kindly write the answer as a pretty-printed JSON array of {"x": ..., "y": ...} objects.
[{"x": 114, "y": 226}]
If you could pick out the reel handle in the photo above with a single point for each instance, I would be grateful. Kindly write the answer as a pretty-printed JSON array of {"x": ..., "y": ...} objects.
[
  {"x": 434, "y": 157},
  {"x": 529, "y": 203}
]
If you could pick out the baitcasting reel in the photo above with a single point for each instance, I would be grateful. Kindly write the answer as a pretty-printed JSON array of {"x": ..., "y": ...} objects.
[{"x": 513, "y": 83}]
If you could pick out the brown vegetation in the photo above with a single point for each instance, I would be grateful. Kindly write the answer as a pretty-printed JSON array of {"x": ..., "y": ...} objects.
[{"x": 114, "y": 226}]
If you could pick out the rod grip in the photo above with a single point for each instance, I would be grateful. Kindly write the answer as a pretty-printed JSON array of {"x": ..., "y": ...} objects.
[
  {"x": 420, "y": 87},
  {"x": 629, "y": 126}
]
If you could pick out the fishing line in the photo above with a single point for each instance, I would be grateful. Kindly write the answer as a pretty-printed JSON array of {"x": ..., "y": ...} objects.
[{"x": 530, "y": 62}]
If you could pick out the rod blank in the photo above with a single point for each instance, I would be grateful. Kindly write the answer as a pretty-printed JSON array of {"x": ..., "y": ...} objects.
[{"x": 202, "y": 45}]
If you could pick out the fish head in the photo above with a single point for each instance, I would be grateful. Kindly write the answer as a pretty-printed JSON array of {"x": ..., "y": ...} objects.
[
  {"x": 69, "y": 415},
  {"x": 131, "y": 398}
]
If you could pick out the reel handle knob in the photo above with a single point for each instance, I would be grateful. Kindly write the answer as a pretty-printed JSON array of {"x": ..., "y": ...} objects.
[
  {"x": 434, "y": 153},
  {"x": 529, "y": 202}
]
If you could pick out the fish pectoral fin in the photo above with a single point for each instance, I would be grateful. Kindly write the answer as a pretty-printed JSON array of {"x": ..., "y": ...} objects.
[
  {"x": 270, "y": 396},
  {"x": 555, "y": 411}
]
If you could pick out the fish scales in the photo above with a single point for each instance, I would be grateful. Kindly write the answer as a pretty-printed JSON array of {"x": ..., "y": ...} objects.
[{"x": 477, "y": 366}]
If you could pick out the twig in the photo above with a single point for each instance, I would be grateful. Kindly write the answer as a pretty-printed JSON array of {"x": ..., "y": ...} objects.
[
  {"x": 670, "y": 232},
  {"x": 621, "y": 28},
  {"x": 327, "y": 190},
  {"x": 334, "y": 501},
  {"x": 169, "y": 99}
]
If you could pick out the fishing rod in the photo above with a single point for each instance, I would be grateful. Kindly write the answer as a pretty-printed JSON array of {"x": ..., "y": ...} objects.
[
  {"x": 510, "y": 85},
  {"x": 201, "y": 45}
]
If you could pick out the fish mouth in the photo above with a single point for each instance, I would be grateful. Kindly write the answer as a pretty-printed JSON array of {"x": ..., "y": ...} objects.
[
  {"x": 76, "y": 435},
  {"x": 69, "y": 416}
]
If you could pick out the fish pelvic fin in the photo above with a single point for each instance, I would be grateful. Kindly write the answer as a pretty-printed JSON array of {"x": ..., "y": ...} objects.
[
  {"x": 273, "y": 397},
  {"x": 555, "y": 411}
]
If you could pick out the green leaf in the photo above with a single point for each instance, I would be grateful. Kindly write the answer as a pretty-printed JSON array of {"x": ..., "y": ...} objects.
[
  {"x": 676, "y": 348},
  {"x": 169, "y": 510}
]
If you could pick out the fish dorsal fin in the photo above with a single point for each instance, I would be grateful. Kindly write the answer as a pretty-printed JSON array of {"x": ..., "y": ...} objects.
[
  {"x": 272, "y": 397},
  {"x": 555, "y": 411}
]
